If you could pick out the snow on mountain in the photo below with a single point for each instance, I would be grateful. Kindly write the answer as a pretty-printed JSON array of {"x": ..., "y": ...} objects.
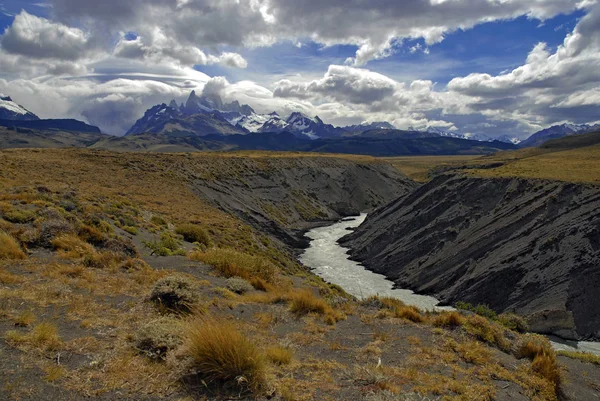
[
  {"x": 558, "y": 131},
  {"x": 9, "y": 110},
  {"x": 360, "y": 128}
]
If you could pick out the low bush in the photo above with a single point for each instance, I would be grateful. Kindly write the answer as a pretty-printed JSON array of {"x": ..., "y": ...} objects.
[
  {"x": 238, "y": 285},
  {"x": 9, "y": 247},
  {"x": 481, "y": 310},
  {"x": 167, "y": 245},
  {"x": 224, "y": 357},
  {"x": 19, "y": 216},
  {"x": 53, "y": 228},
  {"x": 174, "y": 293},
  {"x": 487, "y": 331},
  {"x": 193, "y": 233},
  {"x": 514, "y": 322},
  {"x": 383, "y": 302},
  {"x": 157, "y": 338}
]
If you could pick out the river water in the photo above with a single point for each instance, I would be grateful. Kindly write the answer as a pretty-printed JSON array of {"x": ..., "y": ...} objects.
[{"x": 330, "y": 261}]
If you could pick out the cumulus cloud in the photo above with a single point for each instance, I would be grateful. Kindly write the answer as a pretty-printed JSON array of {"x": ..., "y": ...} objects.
[
  {"x": 375, "y": 27},
  {"x": 39, "y": 38}
]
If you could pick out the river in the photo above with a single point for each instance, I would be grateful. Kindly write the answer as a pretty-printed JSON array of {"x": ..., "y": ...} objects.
[{"x": 330, "y": 261}]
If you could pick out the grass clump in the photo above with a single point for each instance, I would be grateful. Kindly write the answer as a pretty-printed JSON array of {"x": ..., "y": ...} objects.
[
  {"x": 409, "y": 313},
  {"x": 304, "y": 302},
  {"x": 167, "y": 245},
  {"x": 25, "y": 319},
  {"x": 157, "y": 338},
  {"x": 238, "y": 285},
  {"x": 71, "y": 246},
  {"x": 193, "y": 233},
  {"x": 543, "y": 358},
  {"x": 224, "y": 357},
  {"x": 44, "y": 336},
  {"x": 513, "y": 322},
  {"x": 279, "y": 355},
  {"x": 174, "y": 293},
  {"x": 481, "y": 310},
  {"x": 232, "y": 263},
  {"x": 9, "y": 247},
  {"x": 449, "y": 320},
  {"x": 487, "y": 331},
  {"x": 581, "y": 356},
  {"x": 260, "y": 285}
]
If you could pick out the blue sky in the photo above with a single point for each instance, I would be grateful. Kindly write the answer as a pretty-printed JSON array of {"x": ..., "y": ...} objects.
[{"x": 475, "y": 66}]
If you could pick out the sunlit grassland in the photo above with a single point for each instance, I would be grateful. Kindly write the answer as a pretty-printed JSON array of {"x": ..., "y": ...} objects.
[{"x": 418, "y": 168}]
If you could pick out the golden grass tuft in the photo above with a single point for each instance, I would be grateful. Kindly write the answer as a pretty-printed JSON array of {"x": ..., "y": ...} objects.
[
  {"x": 44, "y": 336},
  {"x": 304, "y": 302},
  {"x": 543, "y": 358},
  {"x": 279, "y": 355},
  {"x": 71, "y": 246},
  {"x": 25, "y": 319},
  {"x": 224, "y": 357},
  {"x": 448, "y": 319},
  {"x": 231, "y": 263},
  {"x": 9, "y": 247},
  {"x": 260, "y": 284},
  {"x": 409, "y": 313}
]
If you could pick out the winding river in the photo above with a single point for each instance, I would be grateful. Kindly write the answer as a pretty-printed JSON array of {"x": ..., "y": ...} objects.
[{"x": 330, "y": 261}]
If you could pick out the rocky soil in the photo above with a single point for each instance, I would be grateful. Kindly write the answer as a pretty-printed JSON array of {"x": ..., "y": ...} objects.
[{"x": 529, "y": 246}]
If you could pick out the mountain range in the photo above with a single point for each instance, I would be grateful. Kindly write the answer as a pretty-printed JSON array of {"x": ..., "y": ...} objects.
[{"x": 208, "y": 116}]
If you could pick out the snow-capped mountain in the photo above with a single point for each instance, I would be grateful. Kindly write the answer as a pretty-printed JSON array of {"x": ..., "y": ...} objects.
[
  {"x": 155, "y": 119},
  {"x": 313, "y": 128},
  {"x": 360, "y": 128},
  {"x": 558, "y": 131},
  {"x": 9, "y": 110}
]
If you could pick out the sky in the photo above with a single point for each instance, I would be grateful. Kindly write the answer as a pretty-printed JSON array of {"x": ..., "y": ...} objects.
[{"x": 487, "y": 67}]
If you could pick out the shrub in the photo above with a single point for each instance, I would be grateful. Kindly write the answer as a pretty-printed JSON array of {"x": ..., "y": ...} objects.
[
  {"x": 101, "y": 260},
  {"x": 231, "y": 263},
  {"x": 489, "y": 332},
  {"x": 304, "y": 302},
  {"x": 481, "y": 310},
  {"x": 168, "y": 245},
  {"x": 174, "y": 293},
  {"x": 9, "y": 247},
  {"x": 280, "y": 355},
  {"x": 157, "y": 338},
  {"x": 225, "y": 357},
  {"x": 134, "y": 264},
  {"x": 131, "y": 230},
  {"x": 238, "y": 285},
  {"x": 193, "y": 233},
  {"x": 448, "y": 319},
  {"x": 19, "y": 216},
  {"x": 513, "y": 322},
  {"x": 53, "y": 228},
  {"x": 158, "y": 221}
]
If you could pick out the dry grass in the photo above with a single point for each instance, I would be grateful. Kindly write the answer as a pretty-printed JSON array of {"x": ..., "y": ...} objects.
[
  {"x": 448, "y": 319},
  {"x": 304, "y": 302},
  {"x": 193, "y": 233},
  {"x": 9, "y": 247},
  {"x": 279, "y": 355},
  {"x": 418, "y": 168},
  {"x": 487, "y": 331},
  {"x": 25, "y": 319},
  {"x": 43, "y": 336},
  {"x": 543, "y": 358},
  {"x": 71, "y": 246},
  {"x": 409, "y": 313},
  {"x": 232, "y": 263},
  {"x": 578, "y": 165},
  {"x": 223, "y": 356},
  {"x": 581, "y": 356}
]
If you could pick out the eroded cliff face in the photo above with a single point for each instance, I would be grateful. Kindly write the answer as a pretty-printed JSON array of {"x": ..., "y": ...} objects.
[
  {"x": 285, "y": 196},
  {"x": 529, "y": 246}
]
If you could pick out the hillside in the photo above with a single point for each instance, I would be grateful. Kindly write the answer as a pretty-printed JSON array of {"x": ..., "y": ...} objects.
[{"x": 91, "y": 308}]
